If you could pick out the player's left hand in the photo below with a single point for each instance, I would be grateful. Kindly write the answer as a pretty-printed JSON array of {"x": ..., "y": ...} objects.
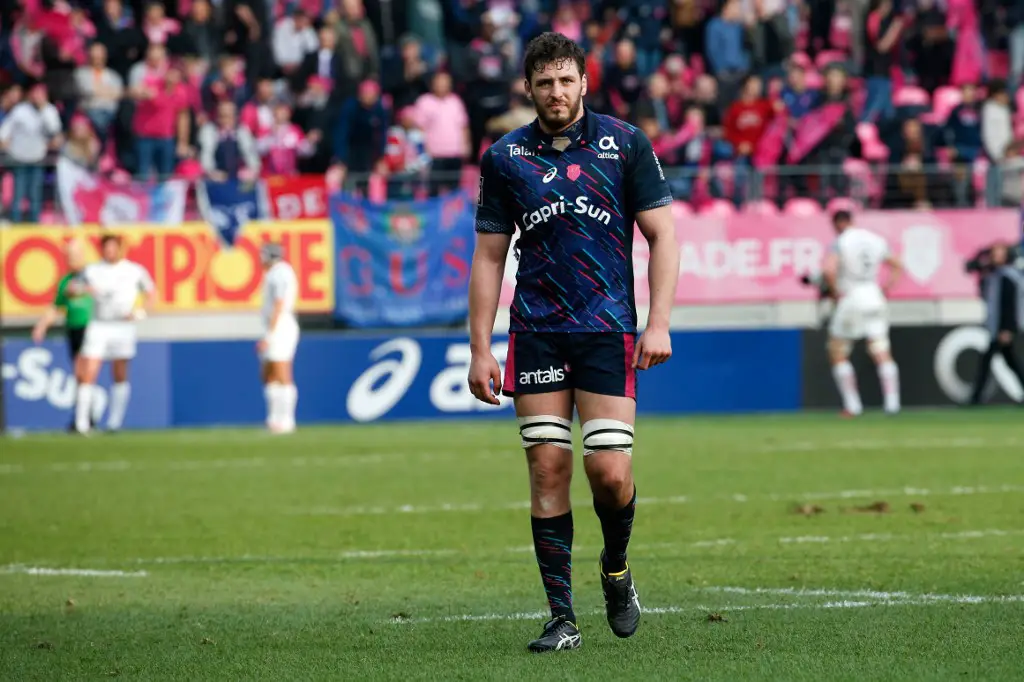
[
  {"x": 261, "y": 346},
  {"x": 653, "y": 348}
]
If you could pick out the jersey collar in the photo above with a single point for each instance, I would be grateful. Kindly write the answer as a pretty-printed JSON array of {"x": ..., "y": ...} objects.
[{"x": 581, "y": 133}]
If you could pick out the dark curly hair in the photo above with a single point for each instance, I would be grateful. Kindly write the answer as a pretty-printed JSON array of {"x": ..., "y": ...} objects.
[{"x": 552, "y": 47}]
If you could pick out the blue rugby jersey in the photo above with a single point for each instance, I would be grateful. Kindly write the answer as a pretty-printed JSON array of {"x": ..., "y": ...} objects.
[{"x": 575, "y": 210}]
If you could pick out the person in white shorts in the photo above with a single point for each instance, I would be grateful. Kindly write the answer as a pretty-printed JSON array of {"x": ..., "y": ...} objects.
[
  {"x": 115, "y": 284},
  {"x": 280, "y": 339},
  {"x": 851, "y": 270}
]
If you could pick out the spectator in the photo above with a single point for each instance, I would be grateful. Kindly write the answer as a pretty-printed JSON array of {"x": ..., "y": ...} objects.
[
  {"x": 357, "y": 45},
  {"x": 696, "y": 156},
  {"x": 659, "y": 103},
  {"x": 930, "y": 45},
  {"x": 835, "y": 148},
  {"x": 201, "y": 34},
  {"x": 520, "y": 113},
  {"x": 101, "y": 89},
  {"x": 294, "y": 41},
  {"x": 796, "y": 97},
  {"x": 912, "y": 155},
  {"x": 491, "y": 66},
  {"x": 705, "y": 96},
  {"x": 996, "y": 121},
  {"x": 117, "y": 32},
  {"x": 747, "y": 118},
  {"x": 361, "y": 134},
  {"x": 405, "y": 156},
  {"x": 82, "y": 146},
  {"x": 227, "y": 150},
  {"x": 409, "y": 78},
  {"x": 325, "y": 62},
  {"x": 157, "y": 27},
  {"x": 27, "y": 134},
  {"x": 643, "y": 24},
  {"x": 259, "y": 115},
  {"x": 313, "y": 114},
  {"x": 622, "y": 80},
  {"x": 161, "y": 122},
  {"x": 282, "y": 144},
  {"x": 962, "y": 136},
  {"x": 882, "y": 33},
  {"x": 728, "y": 56},
  {"x": 442, "y": 117},
  {"x": 27, "y": 47},
  {"x": 771, "y": 36}
]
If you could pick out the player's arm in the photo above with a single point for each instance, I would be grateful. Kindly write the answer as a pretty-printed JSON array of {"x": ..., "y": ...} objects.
[
  {"x": 895, "y": 272},
  {"x": 652, "y": 199},
  {"x": 148, "y": 289},
  {"x": 830, "y": 269},
  {"x": 44, "y": 323},
  {"x": 494, "y": 230}
]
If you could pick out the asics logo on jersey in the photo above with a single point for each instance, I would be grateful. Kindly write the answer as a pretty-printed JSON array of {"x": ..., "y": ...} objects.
[
  {"x": 519, "y": 150},
  {"x": 542, "y": 376},
  {"x": 580, "y": 206},
  {"x": 606, "y": 144},
  {"x": 550, "y": 175}
]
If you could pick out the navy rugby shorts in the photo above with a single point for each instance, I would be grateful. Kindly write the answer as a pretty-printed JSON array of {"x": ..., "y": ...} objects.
[{"x": 546, "y": 362}]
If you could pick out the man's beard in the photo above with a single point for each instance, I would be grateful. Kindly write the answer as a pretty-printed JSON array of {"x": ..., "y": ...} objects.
[{"x": 557, "y": 124}]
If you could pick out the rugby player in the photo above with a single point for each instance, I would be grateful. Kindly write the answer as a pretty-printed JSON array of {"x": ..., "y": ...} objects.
[
  {"x": 115, "y": 284},
  {"x": 76, "y": 304},
  {"x": 573, "y": 182},
  {"x": 851, "y": 270},
  {"x": 280, "y": 338}
]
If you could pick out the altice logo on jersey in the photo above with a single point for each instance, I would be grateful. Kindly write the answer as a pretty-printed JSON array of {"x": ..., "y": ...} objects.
[
  {"x": 542, "y": 376},
  {"x": 607, "y": 144},
  {"x": 580, "y": 206}
]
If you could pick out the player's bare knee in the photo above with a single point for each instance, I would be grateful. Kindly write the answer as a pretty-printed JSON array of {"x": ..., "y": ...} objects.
[
  {"x": 880, "y": 350},
  {"x": 613, "y": 480},
  {"x": 838, "y": 350},
  {"x": 550, "y": 476}
]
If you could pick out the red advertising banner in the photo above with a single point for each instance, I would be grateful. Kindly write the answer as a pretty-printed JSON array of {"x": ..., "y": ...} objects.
[{"x": 759, "y": 259}]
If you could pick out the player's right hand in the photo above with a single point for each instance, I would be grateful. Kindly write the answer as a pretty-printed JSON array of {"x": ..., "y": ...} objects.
[{"x": 484, "y": 372}]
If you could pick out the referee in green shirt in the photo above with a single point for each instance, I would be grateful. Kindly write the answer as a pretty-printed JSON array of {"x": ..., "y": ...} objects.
[{"x": 75, "y": 304}]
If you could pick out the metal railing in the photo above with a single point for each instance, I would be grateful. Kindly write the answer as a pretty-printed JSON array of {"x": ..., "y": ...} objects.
[{"x": 874, "y": 186}]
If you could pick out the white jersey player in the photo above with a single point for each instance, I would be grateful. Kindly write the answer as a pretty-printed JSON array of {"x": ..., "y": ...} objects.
[
  {"x": 851, "y": 269},
  {"x": 115, "y": 283},
  {"x": 280, "y": 339}
]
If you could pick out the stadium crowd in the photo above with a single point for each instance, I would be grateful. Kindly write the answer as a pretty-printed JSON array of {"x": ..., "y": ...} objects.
[{"x": 833, "y": 91}]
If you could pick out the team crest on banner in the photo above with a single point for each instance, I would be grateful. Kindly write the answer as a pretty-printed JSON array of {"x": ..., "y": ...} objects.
[
  {"x": 229, "y": 206},
  {"x": 922, "y": 252},
  {"x": 573, "y": 172},
  {"x": 404, "y": 226}
]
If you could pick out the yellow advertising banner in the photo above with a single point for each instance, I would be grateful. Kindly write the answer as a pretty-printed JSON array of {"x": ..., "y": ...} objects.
[{"x": 194, "y": 272}]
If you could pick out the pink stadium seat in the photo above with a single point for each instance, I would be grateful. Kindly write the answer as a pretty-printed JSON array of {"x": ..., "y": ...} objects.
[
  {"x": 840, "y": 31},
  {"x": 717, "y": 208},
  {"x": 814, "y": 80},
  {"x": 6, "y": 189},
  {"x": 827, "y": 57},
  {"x": 802, "y": 207},
  {"x": 801, "y": 59},
  {"x": 681, "y": 209},
  {"x": 911, "y": 96},
  {"x": 840, "y": 204},
  {"x": 998, "y": 64},
  {"x": 864, "y": 182},
  {"x": 761, "y": 207},
  {"x": 944, "y": 101},
  {"x": 1020, "y": 99},
  {"x": 979, "y": 177}
]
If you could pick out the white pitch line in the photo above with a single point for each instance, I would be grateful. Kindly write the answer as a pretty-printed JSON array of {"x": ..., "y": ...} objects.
[
  {"x": 80, "y": 572},
  {"x": 868, "y": 598},
  {"x": 887, "y": 444},
  {"x": 740, "y": 498},
  {"x": 648, "y": 548}
]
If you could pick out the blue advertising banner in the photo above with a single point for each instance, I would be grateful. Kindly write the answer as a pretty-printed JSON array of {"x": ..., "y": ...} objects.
[
  {"x": 351, "y": 378},
  {"x": 402, "y": 263},
  {"x": 39, "y": 386}
]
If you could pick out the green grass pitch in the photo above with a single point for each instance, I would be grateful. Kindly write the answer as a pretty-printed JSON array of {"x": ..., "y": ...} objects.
[{"x": 800, "y": 547}]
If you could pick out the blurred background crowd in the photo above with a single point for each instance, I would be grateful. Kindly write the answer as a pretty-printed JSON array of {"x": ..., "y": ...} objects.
[{"x": 775, "y": 104}]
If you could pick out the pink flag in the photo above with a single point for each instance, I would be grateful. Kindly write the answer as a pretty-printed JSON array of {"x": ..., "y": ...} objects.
[
  {"x": 813, "y": 128},
  {"x": 769, "y": 147}
]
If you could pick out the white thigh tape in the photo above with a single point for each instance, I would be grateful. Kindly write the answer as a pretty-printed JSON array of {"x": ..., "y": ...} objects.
[
  {"x": 546, "y": 429},
  {"x": 607, "y": 434}
]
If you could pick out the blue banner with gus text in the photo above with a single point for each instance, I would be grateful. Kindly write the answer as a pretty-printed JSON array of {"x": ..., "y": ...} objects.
[{"x": 402, "y": 263}]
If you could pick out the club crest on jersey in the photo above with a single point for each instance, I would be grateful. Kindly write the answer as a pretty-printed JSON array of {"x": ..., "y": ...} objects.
[
  {"x": 573, "y": 172},
  {"x": 404, "y": 227},
  {"x": 519, "y": 150}
]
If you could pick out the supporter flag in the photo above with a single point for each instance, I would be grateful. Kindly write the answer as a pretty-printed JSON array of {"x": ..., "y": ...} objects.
[
  {"x": 813, "y": 128},
  {"x": 296, "y": 197},
  {"x": 402, "y": 263},
  {"x": 228, "y": 206},
  {"x": 92, "y": 199}
]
